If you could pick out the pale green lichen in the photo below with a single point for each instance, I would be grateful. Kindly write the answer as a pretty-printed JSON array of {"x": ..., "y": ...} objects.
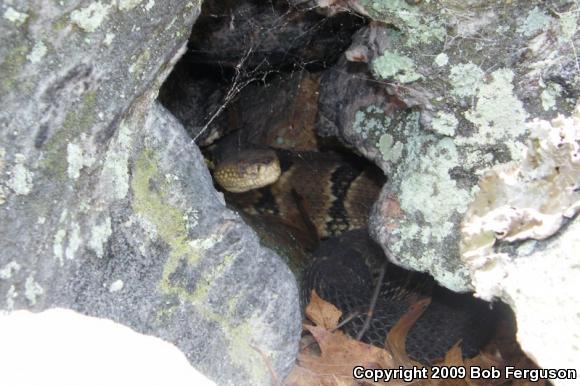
[
  {"x": 21, "y": 180},
  {"x": 90, "y": 18},
  {"x": 370, "y": 122},
  {"x": 109, "y": 36},
  {"x": 419, "y": 27},
  {"x": 127, "y": 5},
  {"x": 58, "y": 247},
  {"x": 444, "y": 123},
  {"x": 139, "y": 65},
  {"x": 115, "y": 174},
  {"x": 537, "y": 21},
  {"x": 74, "y": 241},
  {"x": 10, "y": 296},
  {"x": 38, "y": 52},
  {"x": 244, "y": 353},
  {"x": 153, "y": 206},
  {"x": 99, "y": 236},
  {"x": 32, "y": 290},
  {"x": 171, "y": 227},
  {"x": 14, "y": 16},
  {"x": 9, "y": 269},
  {"x": 79, "y": 119},
  {"x": 389, "y": 148},
  {"x": 149, "y": 5},
  {"x": 498, "y": 115},
  {"x": 209, "y": 276},
  {"x": 568, "y": 25},
  {"x": 465, "y": 79},
  {"x": 427, "y": 193},
  {"x": 116, "y": 286},
  {"x": 441, "y": 60},
  {"x": 74, "y": 157},
  {"x": 549, "y": 95},
  {"x": 391, "y": 65},
  {"x": 79, "y": 156},
  {"x": 427, "y": 187}
]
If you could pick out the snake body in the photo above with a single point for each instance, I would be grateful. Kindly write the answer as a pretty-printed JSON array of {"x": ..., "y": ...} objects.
[
  {"x": 345, "y": 273},
  {"x": 316, "y": 191},
  {"x": 324, "y": 194}
]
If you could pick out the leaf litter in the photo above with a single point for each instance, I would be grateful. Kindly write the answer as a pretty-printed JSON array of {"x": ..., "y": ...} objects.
[{"x": 328, "y": 356}]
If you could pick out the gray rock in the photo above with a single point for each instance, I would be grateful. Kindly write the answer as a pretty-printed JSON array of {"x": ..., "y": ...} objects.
[
  {"x": 107, "y": 207},
  {"x": 519, "y": 237},
  {"x": 540, "y": 281},
  {"x": 466, "y": 116},
  {"x": 483, "y": 177}
]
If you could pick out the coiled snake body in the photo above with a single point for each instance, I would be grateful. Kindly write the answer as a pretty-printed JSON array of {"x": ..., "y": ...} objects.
[
  {"x": 323, "y": 194},
  {"x": 345, "y": 272}
]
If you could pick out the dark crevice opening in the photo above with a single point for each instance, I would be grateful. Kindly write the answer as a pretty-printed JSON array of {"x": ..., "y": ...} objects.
[{"x": 241, "y": 51}]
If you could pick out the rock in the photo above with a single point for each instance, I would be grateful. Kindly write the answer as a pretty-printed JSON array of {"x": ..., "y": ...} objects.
[
  {"x": 107, "y": 206},
  {"x": 510, "y": 240},
  {"x": 464, "y": 119},
  {"x": 65, "y": 346},
  {"x": 467, "y": 84}
]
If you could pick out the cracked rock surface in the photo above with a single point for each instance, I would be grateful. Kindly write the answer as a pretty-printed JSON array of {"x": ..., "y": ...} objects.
[
  {"x": 438, "y": 114},
  {"x": 107, "y": 207},
  {"x": 472, "y": 112}
]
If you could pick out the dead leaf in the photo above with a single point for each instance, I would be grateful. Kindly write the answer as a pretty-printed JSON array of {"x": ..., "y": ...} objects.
[
  {"x": 322, "y": 313},
  {"x": 453, "y": 358},
  {"x": 396, "y": 338},
  {"x": 340, "y": 354}
]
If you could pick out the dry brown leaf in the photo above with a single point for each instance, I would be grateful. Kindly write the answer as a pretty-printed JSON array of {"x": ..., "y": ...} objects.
[
  {"x": 340, "y": 354},
  {"x": 486, "y": 361},
  {"x": 322, "y": 313},
  {"x": 396, "y": 338},
  {"x": 453, "y": 358}
]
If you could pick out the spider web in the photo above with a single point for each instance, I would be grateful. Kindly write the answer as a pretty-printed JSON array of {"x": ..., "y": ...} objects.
[{"x": 252, "y": 41}]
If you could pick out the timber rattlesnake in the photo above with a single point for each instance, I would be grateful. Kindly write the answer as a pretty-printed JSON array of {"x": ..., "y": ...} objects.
[{"x": 323, "y": 194}]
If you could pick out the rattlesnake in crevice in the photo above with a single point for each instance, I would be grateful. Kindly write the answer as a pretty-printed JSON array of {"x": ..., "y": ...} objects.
[{"x": 330, "y": 196}]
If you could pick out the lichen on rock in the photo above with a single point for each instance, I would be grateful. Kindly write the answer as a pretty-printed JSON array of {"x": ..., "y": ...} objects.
[
  {"x": 391, "y": 65},
  {"x": 529, "y": 200},
  {"x": 472, "y": 111},
  {"x": 88, "y": 225},
  {"x": 520, "y": 237}
]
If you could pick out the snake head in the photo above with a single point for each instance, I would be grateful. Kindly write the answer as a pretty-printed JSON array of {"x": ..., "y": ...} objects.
[{"x": 247, "y": 170}]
